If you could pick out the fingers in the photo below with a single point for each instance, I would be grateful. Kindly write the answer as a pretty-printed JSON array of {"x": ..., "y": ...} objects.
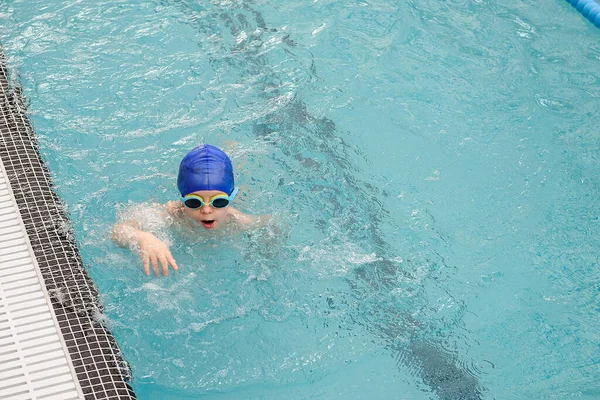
[
  {"x": 159, "y": 262},
  {"x": 146, "y": 260},
  {"x": 154, "y": 261},
  {"x": 171, "y": 261},
  {"x": 166, "y": 260},
  {"x": 165, "y": 265}
]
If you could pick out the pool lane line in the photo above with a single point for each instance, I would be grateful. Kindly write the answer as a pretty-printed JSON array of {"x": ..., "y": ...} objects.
[{"x": 589, "y": 9}]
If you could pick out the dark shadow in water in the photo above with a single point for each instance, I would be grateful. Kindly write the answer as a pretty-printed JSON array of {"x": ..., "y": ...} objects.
[{"x": 426, "y": 357}]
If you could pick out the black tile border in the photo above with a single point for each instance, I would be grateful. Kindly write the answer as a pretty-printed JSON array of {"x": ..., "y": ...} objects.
[{"x": 100, "y": 368}]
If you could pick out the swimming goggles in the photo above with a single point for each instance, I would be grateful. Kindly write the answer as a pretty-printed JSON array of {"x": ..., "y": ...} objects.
[{"x": 220, "y": 200}]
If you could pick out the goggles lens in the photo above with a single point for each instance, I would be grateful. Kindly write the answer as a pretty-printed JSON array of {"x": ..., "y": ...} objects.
[
  {"x": 193, "y": 202},
  {"x": 220, "y": 202}
]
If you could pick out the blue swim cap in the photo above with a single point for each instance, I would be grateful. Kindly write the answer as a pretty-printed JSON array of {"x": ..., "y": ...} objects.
[{"x": 205, "y": 168}]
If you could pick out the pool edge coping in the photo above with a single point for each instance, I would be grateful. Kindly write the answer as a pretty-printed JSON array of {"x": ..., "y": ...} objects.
[{"x": 93, "y": 354}]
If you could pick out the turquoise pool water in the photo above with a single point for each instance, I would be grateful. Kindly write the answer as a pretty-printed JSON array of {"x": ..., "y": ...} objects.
[{"x": 436, "y": 163}]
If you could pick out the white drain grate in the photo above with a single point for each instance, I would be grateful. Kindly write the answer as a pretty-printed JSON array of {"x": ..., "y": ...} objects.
[{"x": 34, "y": 362}]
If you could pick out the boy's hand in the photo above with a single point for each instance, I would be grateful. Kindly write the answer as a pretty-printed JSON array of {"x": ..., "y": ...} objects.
[{"x": 154, "y": 251}]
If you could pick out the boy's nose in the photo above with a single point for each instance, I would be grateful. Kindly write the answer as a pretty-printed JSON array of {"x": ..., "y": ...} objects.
[{"x": 206, "y": 209}]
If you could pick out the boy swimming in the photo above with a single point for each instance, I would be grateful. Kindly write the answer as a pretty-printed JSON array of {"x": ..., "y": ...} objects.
[{"x": 206, "y": 184}]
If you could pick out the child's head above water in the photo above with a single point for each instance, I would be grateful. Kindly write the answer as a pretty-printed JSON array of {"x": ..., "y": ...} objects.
[{"x": 206, "y": 184}]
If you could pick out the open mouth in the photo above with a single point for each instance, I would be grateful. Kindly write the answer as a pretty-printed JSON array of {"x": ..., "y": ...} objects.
[{"x": 208, "y": 223}]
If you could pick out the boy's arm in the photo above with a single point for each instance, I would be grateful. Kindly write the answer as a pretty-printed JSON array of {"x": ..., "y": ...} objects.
[
  {"x": 246, "y": 221},
  {"x": 129, "y": 234},
  {"x": 126, "y": 234}
]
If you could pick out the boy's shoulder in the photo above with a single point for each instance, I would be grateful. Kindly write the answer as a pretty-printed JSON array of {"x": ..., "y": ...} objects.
[
  {"x": 174, "y": 209},
  {"x": 239, "y": 217},
  {"x": 247, "y": 220}
]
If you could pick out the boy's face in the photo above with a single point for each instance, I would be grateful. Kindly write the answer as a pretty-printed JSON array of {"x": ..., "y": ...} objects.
[{"x": 209, "y": 217}]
